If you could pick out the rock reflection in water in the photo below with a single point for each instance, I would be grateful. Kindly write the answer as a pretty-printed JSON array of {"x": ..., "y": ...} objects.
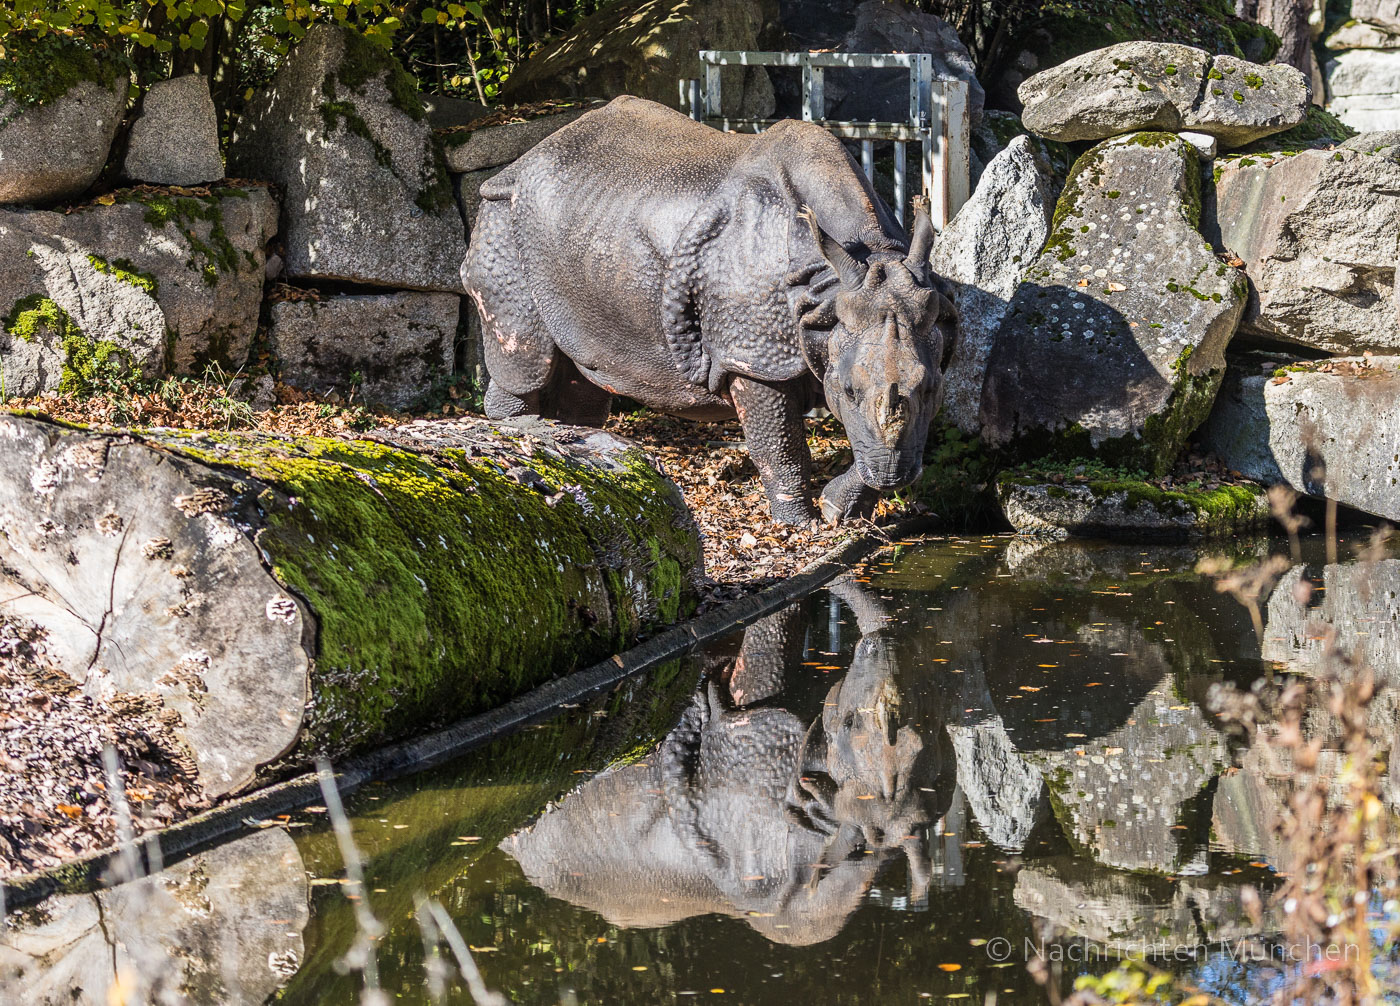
[
  {"x": 750, "y": 809},
  {"x": 224, "y": 926},
  {"x": 1134, "y": 912}
]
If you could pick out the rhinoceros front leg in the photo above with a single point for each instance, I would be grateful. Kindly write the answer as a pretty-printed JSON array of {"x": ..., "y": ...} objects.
[
  {"x": 777, "y": 440},
  {"x": 846, "y": 497}
]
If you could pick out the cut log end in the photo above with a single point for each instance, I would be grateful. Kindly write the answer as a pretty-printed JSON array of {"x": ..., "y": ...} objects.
[{"x": 135, "y": 565}]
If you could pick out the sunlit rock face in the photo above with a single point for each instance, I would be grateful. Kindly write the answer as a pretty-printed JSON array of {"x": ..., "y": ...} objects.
[
  {"x": 1127, "y": 307},
  {"x": 1327, "y": 430},
  {"x": 224, "y": 926},
  {"x": 1316, "y": 230},
  {"x": 342, "y": 132},
  {"x": 56, "y": 150},
  {"x": 152, "y": 283},
  {"x": 1155, "y": 85}
]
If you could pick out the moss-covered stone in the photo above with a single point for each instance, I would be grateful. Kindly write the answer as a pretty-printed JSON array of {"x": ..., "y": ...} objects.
[
  {"x": 124, "y": 270},
  {"x": 212, "y": 257},
  {"x": 1127, "y": 307},
  {"x": 87, "y": 363},
  {"x": 36, "y": 71},
  {"x": 443, "y": 584},
  {"x": 1104, "y": 503}
]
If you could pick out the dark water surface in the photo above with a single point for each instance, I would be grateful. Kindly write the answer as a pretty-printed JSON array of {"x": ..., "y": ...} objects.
[{"x": 891, "y": 792}]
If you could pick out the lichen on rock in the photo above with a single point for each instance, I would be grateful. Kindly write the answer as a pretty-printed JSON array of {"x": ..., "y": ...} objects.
[{"x": 1113, "y": 345}]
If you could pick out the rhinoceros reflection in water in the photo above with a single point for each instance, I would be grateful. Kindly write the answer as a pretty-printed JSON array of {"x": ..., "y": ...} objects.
[{"x": 748, "y": 810}]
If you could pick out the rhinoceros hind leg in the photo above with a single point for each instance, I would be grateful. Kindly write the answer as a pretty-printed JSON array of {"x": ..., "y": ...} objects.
[
  {"x": 777, "y": 440},
  {"x": 515, "y": 342},
  {"x": 501, "y": 404}
]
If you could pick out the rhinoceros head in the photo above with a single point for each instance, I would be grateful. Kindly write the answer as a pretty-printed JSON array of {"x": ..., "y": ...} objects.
[{"x": 881, "y": 358}]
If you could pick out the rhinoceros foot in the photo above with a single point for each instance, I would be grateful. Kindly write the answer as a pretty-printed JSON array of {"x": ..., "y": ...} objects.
[{"x": 846, "y": 497}]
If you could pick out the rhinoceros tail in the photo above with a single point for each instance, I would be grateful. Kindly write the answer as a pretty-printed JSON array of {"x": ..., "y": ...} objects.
[{"x": 680, "y": 303}]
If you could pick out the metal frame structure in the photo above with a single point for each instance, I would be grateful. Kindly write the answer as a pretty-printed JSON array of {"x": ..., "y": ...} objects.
[{"x": 937, "y": 121}]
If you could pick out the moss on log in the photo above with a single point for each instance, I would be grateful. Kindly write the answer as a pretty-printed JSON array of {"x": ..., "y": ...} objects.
[{"x": 292, "y": 596}]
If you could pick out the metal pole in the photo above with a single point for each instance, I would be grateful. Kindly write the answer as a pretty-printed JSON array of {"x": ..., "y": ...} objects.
[
  {"x": 867, "y": 158},
  {"x": 696, "y": 111},
  {"x": 901, "y": 183},
  {"x": 712, "y": 102},
  {"x": 813, "y": 91}
]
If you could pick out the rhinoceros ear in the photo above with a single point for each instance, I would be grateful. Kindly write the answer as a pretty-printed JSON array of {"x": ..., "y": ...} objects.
[
  {"x": 848, "y": 270},
  {"x": 921, "y": 238}
]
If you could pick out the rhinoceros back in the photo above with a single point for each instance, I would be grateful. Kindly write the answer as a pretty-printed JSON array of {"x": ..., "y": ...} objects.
[{"x": 591, "y": 216}]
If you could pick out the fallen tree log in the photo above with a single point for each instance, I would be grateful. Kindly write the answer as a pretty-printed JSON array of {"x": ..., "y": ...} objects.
[{"x": 295, "y": 596}]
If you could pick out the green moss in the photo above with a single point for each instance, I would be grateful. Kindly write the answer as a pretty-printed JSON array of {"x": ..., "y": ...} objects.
[
  {"x": 123, "y": 270},
  {"x": 1222, "y": 510},
  {"x": 1254, "y": 80},
  {"x": 361, "y": 62},
  {"x": 210, "y": 254},
  {"x": 87, "y": 363},
  {"x": 442, "y": 587}
]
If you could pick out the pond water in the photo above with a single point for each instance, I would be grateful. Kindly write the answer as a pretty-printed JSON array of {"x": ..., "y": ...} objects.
[{"x": 963, "y": 753}]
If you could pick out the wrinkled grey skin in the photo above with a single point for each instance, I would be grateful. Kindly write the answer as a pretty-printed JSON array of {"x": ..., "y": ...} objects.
[
  {"x": 746, "y": 810},
  {"x": 707, "y": 275}
]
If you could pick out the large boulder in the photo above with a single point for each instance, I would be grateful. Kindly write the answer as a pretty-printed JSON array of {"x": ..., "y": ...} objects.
[
  {"x": 1115, "y": 508},
  {"x": 1385, "y": 13},
  {"x": 1152, "y": 85},
  {"x": 983, "y": 252},
  {"x": 388, "y": 349},
  {"x": 473, "y": 149},
  {"x": 1318, "y": 235},
  {"x": 341, "y": 130},
  {"x": 1328, "y": 429},
  {"x": 873, "y": 26},
  {"x": 148, "y": 282},
  {"x": 1113, "y": 345},
  {"x": 644, "y": 47},
  {"x": 1363, "y": 87},
  {"x": 175, "y": 141},
  {"x": 55, "y": 150}
]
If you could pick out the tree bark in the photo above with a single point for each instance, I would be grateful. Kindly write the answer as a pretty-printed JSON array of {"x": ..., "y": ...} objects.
[
  {"x": 296, "y": 596},
  {"x": 1289, "y": 21}
]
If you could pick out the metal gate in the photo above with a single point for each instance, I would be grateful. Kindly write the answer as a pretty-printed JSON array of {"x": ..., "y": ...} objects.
[{"x": 937, "y": 122}]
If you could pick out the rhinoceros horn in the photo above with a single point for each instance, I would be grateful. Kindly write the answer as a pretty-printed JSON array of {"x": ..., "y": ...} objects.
[
  {"x": 848, "y": 270},
  {"x": 921, "y": 241}
]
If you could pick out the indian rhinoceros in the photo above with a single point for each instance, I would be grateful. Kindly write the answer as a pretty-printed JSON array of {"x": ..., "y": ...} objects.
[
  {"x": 753, "y": 808},
  {"x": 704, "y": 274}
]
